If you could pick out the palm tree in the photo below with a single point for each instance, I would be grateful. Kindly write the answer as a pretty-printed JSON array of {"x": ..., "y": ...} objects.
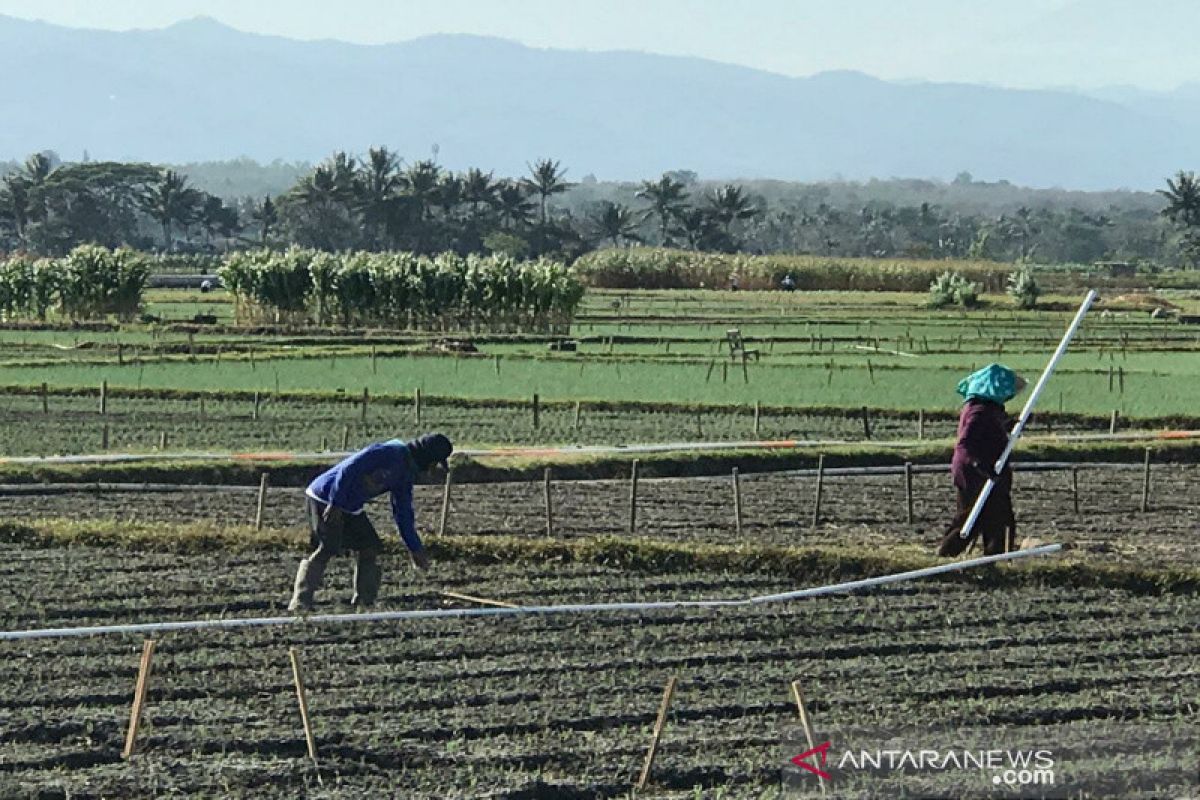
[
  {"x": 546, "y": 178},
  {"x": 170, "y": 200},
  {"x": 696, "y": 227},
  {"x": 15, "y": 201},
  {"x": 614, "y": 223},
  {"x": 513, "y": 205},
  {"x": 1183, "y": 199},
  {"x": 267, "y": 217},
  {"x": 667, "y": 197},
  {"x": 478, "y": 189},
  {"x": 728, "y": 204},
  {"x": 421, "y": 184},
  {"x": 379, "y": 182}
]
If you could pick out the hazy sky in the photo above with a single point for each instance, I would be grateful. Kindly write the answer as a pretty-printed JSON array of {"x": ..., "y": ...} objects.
[{"x": 1027, "y": 43}]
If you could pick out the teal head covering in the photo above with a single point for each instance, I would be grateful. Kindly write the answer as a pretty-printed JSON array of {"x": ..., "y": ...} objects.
[{"x": 994, "y": 382}]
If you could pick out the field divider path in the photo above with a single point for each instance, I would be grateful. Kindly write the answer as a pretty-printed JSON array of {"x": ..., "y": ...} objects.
[{"x": 577, "y": 608}]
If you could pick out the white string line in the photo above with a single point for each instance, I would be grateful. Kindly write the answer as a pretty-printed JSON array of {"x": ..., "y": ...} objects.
[{"x": 584, "y": 608}]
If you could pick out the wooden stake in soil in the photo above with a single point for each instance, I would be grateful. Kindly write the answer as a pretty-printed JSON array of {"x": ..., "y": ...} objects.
[
  {"x": 417, "y": 406},
  {"x": 263, "y": 480},
  {"x": 920, "y": 424},
  {"x": 374, "y": 366},
  {"x": 659, "y": 724},
  {"x": 1146, "y": 483},
  {"x": 139, "y": 698},
  {"x": 737, "y": 503},
  {"x": 549, "y": 505},
  {"x": 578, "y": 409},
  {"x": 1075, "y": 488},
  {"x": 633, "y": 478},
  {"x": 820, "y": 485},
  {"x": 45, "y": 398},
  {"x": 162, "y": 441},
  {"x": 1112, "y": 423},
  {"x": 866, "y": 418},
  {"x": 103, "y": 397},
  {"x": 302, "y": 699},
  {"x": 805, "y": 723},
  {"x": 757, "y": 416},
  {"x": 345, "y": 437},
  {"x": 537, "y": 407},
  {"x": 483, "y": 601},
  {"x": 908, "y": 489},
  {"x": 366, "y": 400},
  {"x": 254, "y": 410},
  {"x": 104, "y": 436}
]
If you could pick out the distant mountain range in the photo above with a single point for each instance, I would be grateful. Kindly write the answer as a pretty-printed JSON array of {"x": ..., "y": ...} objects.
[{"x": 199, "y": 90}]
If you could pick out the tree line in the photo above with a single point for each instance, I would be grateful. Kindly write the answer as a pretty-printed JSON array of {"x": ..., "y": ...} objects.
[{"x": 378, "y": 202}]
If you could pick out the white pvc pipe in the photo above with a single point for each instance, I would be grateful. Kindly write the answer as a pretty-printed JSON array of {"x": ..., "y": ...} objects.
[
  {"x": 1015, "y": 434},
  {"x": 584, "y": 608}
]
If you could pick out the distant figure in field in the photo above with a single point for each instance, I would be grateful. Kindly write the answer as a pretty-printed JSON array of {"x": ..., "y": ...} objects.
[
  {"x": 735, "y": 283},
  {"x": 983, "y": 428},
  {"x": 338, "y": 521},
  {"x": 788, "y": 284}
]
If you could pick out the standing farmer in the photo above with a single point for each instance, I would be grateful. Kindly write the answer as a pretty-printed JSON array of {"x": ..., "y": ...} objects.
[
  {"x": 338, "y": 521},
  {"x": 983, "y": 429}
]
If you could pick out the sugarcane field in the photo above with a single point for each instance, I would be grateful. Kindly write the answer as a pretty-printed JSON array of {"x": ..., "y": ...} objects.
[{"x": 602, "y": 400}]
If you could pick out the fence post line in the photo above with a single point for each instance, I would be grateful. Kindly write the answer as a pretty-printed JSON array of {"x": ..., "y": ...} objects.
[
  {"x": 1146, "y": 482},
  {"x": 445, "y": 503},
  {"x": 820, "y": 485},
  {"x": 263, "y": 480},
  {"x": 908, "y": 489},
  {"x": 633, "y": 481}
]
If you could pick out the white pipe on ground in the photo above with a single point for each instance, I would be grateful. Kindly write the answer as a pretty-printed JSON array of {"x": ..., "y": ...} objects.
[
  {"x": 1015, "y": 434},
  {"x": 586, "y": 608}
]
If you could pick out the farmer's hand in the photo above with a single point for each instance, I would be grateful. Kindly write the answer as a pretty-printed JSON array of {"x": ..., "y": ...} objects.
[
  {"x": 985, "y": 470},
  {"x": 328, "y": 513},
  {"x": 420, "y": 559}
]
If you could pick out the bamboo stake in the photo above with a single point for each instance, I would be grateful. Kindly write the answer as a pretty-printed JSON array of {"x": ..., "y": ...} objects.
[
  {"x": 820, "y": 485},
  {"x": 483, "y": 601},
  {"x": 633, "y": 480},
  {"x": 908, "y": 489},
  {"x": 1146, "y": 483},
  {"x": 254, "y": 412},
  {"x": 366, "y": 399},
  {"x": 1075, "y": 488},
  {"x": 374, "y": 366},
  {"x": 139, "y": 698},
  {"x": 866, "y": 419},
  {"x": 417, "y": 406},
  {"x": 757, "y": 416},
  {"x": 104, "y": 436},
  {"x": 737, "y": 503},
  {"x": 659, "y": 724},
  {"x": 45, "y": 398},
  {"x": 302, "y": 699},
  {"x": 345, "y": 437},
  {"x": 1112, "y": 423},
  {"x": 103, "y": 397},
  {"x": 806, "y": 724},
  {"x": 445, "y": 503},
  {"x": 549, "y": 505},
  {"x": 162, "y": 441},
  {"x": 536, "y": 411},
  {"x": 578, "y": 410},
  {"x": 920, "y": 424},
  {"x": 263, "y": 480}
]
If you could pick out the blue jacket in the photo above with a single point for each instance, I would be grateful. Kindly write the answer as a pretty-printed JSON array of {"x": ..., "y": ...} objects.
[{"x": 377, "y": 468}]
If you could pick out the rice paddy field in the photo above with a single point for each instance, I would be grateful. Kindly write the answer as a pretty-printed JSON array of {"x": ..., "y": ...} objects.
[{"x": 1090, "y": 652}]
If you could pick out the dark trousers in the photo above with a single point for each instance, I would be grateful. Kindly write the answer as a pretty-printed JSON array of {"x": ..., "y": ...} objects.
[{"x": 997, "y": 523}]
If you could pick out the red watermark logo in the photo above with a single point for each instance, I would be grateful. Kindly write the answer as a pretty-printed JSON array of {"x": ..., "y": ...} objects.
[{"x": 821, "y": 751}]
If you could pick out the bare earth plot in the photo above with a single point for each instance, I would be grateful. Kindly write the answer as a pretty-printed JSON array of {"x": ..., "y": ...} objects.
[{"x": 539, "y": 707}]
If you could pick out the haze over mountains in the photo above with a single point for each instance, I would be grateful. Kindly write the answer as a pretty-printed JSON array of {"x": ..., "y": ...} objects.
[{"x": 199, "y": 90}]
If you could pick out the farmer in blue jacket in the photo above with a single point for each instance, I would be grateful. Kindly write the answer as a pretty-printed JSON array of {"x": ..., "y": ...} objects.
[{"x": 338, "y": 521}]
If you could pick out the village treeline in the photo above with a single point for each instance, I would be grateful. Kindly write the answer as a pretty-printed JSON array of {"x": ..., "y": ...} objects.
[{"x": 380, "y": 201}]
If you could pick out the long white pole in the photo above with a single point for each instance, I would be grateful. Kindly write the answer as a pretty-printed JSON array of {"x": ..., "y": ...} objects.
[
  {"x": 1015, "y": 434},
  {"x": 589, "y": 608}
]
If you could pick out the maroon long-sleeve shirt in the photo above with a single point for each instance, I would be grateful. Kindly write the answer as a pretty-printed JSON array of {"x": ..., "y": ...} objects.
[{"x": 982, "y": 437}]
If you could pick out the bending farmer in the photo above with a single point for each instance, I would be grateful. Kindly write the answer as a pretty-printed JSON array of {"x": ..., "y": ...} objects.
[
  {"x": 338, "y": 521},
  {"x": 982, "y": 436}
]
